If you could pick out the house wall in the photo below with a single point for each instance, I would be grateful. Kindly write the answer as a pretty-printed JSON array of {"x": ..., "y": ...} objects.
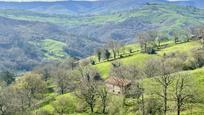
[{"x": 114, "y": 89}]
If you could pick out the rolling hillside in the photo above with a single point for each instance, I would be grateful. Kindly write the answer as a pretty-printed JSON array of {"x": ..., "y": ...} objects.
[
  {"x": 139, "y": 58},
  {"x": 83, "y": 34},
  {"x": 90, "y": 7}
]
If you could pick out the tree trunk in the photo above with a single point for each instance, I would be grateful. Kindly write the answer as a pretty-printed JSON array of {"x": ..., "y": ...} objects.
[
  {"x": 178, "y": 110},
  {"x": 143, "y": 105},
  {"x": 62, "y": 90},
  {"x": 145, "y": 47},
  {"x": 91, "y": 108},
  {"x": 165, "y": 100},
  {"x": 104, "y": 108},
  {"x": 178, "y": 106},
  {"x": 114, "y": 54}
]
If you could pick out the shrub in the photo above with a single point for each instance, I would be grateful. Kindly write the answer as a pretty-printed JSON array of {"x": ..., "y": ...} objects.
[
  {"x": 151, "y": 50},
  {"x": 64, "y": 104}
]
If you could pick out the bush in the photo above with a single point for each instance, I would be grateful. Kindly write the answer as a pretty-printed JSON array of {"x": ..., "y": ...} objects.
[
  {"x": 43, "y": 112},
  {"x": 151, "y": 51},
  {"x": 153, "y": 106},
  {"x": 64, "y": 104},
  {"x": 116, "y": 106}
]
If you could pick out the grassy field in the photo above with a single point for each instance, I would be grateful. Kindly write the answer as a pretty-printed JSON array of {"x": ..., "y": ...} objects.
[
  {"x": 139, "y": 58},
  {"x": 53, "y": 50}
]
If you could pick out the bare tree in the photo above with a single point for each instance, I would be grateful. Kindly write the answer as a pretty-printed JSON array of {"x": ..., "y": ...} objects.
[
  {"x": 88, "y": 86},
  {"x": 159, "y": 39},
  {"x": 153, "y": 34},
  {"x": 151, "y": 67},
  {"x": 142, "y": 39},
  {"x": 201, "y": 35},
  {"x": 63, "y": 80},
  {"x": 183, "y": 91},
  {"x": 165, "y": 79},
  {"x": 176, "y": 37},
  {"x": 88, "y": 90},
  {"x": 103, "y": 94},
  {"x": 188, "y": 33},
  {"x": 147, "y": 40},
  {"x": 114, "y": 46}
]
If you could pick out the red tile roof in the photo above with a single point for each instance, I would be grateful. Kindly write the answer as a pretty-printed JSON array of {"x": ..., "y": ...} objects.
[{"x": 118, "y": 81}]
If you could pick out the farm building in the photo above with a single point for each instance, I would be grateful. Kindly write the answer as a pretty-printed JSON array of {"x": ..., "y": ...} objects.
[{"x": 117, "y": 85}]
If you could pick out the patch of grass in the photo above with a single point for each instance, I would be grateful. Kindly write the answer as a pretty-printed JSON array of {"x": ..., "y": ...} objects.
[
  {"x": 182, "y": 47},
  {"x": 105, "y": 67},
  {"x": 53, "y": 49},
  {"x": 137, "y": 57},
  {"x": 49, "y": 107}
]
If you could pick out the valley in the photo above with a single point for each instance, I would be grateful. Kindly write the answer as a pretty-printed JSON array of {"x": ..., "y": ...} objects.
[
  {"x": 102, "y": 57},
  {"x": 72, "y": 30}
]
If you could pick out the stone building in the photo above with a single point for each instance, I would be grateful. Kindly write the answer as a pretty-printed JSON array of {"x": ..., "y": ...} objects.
[{"x": 117, "y": 85}]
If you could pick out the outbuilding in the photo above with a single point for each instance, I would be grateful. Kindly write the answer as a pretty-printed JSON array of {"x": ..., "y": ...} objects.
[{"x": 117, "y": 85}]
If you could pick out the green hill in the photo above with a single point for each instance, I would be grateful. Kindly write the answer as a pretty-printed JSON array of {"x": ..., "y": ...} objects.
[
  {"x": 83, "y": 34},
  {"x": 139, "y": 58}
]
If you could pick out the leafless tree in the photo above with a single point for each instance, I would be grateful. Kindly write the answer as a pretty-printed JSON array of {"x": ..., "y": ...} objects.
[
  {"x": 183, "y": 91},
  {"x": 176, "y": 36},
  {"x": 147, "y": 40},
  {"x": 103, "y": 94},
  {"x": 88, "y": 91},
  {"x": 151, "y": 67},
  {"x": 165, "y": 79},
  {"x": 114, "y": 46},
  {"x": 188, "y": 33},
  {"x": 142, "y": 39},
  {"x": 63, "y": 80},
  {"x": 201, "y": 35},
  {"x": 88, "y": 86}
]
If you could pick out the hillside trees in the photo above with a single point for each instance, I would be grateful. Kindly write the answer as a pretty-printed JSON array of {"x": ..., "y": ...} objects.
[
  {"x": 7, "y": 77},
  {"x": 198, "y": 33},
  {"x": 32, "y": 85},
  {"x": 198, "y": 56},
  {"x": 201, "y": 35},
  {"x": 99, "y": 54},
  {"x": 188, "y": 33},
  {"x": 22, "y": 95},
  {"x": 114, "y": 46},
  {"x": 175, "y": 35},
  {"x": 107, "y": 54},
  {"x": 147, "y": 41},
  {"x": 143, "y": 39}
]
